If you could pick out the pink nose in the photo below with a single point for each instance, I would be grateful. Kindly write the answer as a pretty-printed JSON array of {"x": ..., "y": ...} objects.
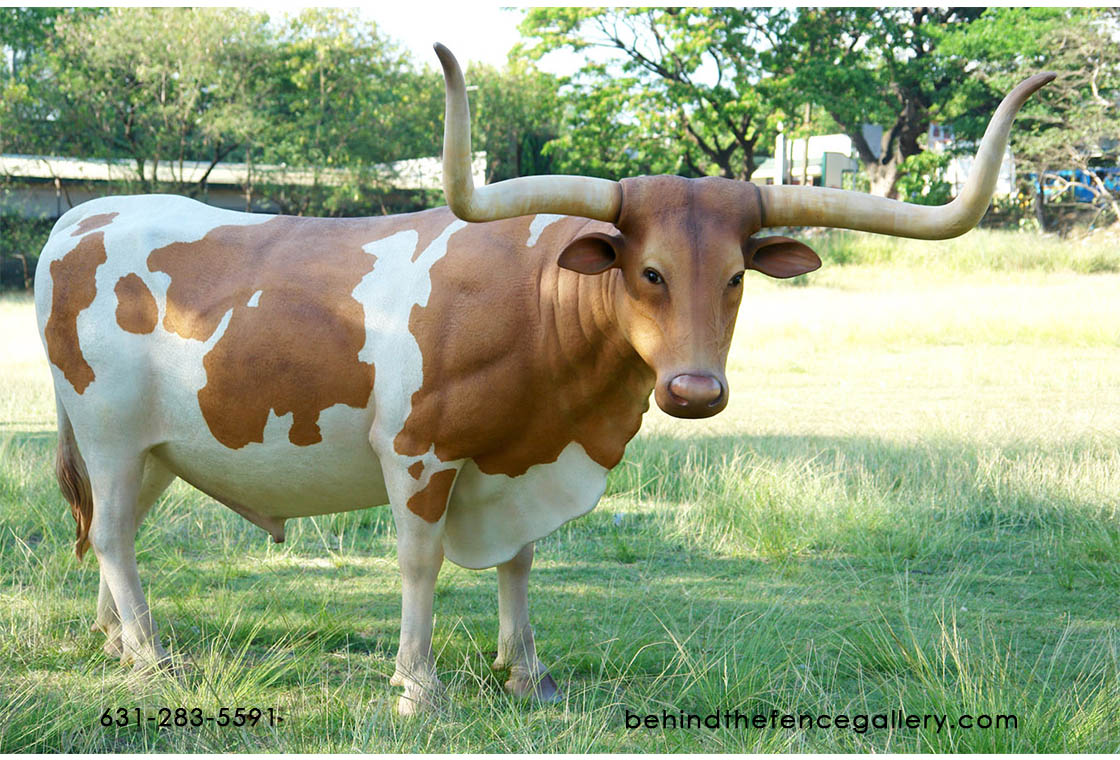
[{"x": 696, "y": 390}]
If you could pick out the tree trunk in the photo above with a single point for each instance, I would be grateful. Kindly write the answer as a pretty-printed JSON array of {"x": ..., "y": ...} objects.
[
  {"x": 884, "y": 178},
  {"x": 807, "y": 131},
  {"x": 882, "y": 175}
]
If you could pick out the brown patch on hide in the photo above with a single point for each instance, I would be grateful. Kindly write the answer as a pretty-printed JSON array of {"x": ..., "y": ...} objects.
[
  {"x": 416, "y": 469},
  {"x": 295, "y": 351},
  {"x": 430, "y": 501},
  {"x": 519, "y": 356},
  {"x": 93, "y": 222},
  {"x": 136, "y": 306},
  {"x": 73, "y": 290}
]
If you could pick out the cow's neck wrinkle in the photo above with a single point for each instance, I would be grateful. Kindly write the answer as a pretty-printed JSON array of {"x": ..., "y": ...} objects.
[
  {"x": 602, "y": 375},
  {"x": 520, "y": 357}
]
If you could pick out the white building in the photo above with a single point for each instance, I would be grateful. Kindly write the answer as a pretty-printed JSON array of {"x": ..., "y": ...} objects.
[
  {"x": 48, "y": 186},
  {"x": 830, "y": 157}
]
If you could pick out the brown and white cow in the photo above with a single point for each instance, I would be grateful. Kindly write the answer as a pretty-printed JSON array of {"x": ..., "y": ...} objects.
[{"x": 481, "y": 378}]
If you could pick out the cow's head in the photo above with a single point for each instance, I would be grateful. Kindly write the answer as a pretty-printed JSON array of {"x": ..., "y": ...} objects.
[{"x": 680, "y": 246}]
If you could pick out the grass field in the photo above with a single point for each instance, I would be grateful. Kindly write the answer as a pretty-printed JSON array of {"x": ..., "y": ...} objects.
[{"x": 911, "y": 503}]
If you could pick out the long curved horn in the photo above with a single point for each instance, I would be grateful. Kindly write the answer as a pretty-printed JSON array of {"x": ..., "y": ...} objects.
[
  {"x": 590, "y": 197},
  {"x": 787, "y": 206}
]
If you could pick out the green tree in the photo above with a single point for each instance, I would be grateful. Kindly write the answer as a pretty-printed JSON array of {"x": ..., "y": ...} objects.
[
  {"x": 23, "y": 32},
  {"x": 515, "y": 112},
  {"x": 347, "y": 93},
  {"x": 687, "y": 96},
  {"x": 1072, "y": 123},
  {"x": 25, "y": 35},
  {"x": 922, "y": 179},
  {"x": 878, "y": 66},
  {"x": 345, "y": 99},
  {"x": 161, "y": 87},
  {"x": 608, "y": 131}
]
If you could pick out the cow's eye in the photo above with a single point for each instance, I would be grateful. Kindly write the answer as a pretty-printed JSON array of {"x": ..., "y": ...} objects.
[
  {"x": 653, "y": 276},
  {"x": 736, "y": 281}
]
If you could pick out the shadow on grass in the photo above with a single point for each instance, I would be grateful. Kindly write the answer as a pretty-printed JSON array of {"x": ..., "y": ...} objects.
[
  {"x": 1017, "y": 485},
  {"x": 1020, "y": 484},
  {"x": 739, "y": 503},
  {"x": 732, "y": 571}
]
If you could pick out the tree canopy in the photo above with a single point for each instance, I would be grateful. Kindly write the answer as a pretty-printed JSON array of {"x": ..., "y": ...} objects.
[
  {"x": 881, "y": 66},
  {"x": 686, "y": 100},
  {"x": 1072, "y": 123},
  {"x": 692, "y": 91}
]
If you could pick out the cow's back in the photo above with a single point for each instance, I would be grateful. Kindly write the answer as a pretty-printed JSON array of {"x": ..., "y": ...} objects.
[{"x": 233, "y": 346}]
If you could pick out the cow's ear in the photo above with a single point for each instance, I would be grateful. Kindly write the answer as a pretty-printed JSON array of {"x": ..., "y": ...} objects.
[
  {"x": 779, "y": 256},
  {"x": 592, "y": 253}
]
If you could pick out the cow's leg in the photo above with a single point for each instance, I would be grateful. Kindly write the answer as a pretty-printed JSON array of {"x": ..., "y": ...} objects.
[
  {"x": 155, "y": 481},
  {"x": 516, "y": 648},
  {"x": 117, "y": 483},
  {"x": 108, "y": 620},
  {"x": 419, "y": 517}
]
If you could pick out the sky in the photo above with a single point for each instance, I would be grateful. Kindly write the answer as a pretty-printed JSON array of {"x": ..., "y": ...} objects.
[{"x": 472, "y": 31}]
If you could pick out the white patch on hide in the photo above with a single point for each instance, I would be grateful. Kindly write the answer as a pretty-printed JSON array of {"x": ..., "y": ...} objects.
[
  {"x": 538, "y": 225},
  {"x": 491, "y": 517},
  {"x": 388, "y": 295}
]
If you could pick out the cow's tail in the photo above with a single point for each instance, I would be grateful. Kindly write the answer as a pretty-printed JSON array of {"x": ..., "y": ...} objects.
[{"x": 73, "y": 479}]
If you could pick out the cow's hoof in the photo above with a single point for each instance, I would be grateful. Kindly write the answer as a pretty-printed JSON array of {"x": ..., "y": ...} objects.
[
  {"x": 412, "y": 705},
  {"x": 151, "y": 660},
  {"x": 114, "y": 643},
  {"x": 541, "y": 688},
  {"x": 154, "y": 668},
  {"x": 183, "y": 665},
  {"x": 418, "y": 699},
  {"x": 420, "y": 702},
  {"x": 113, "y": 647}
]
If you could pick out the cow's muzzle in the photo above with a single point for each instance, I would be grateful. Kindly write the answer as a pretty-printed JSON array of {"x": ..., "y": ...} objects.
[{"x": 692, "y": 396}]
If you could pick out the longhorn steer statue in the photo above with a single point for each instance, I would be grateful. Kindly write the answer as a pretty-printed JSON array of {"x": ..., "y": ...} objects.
[{"x": 480, "y": 367}]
